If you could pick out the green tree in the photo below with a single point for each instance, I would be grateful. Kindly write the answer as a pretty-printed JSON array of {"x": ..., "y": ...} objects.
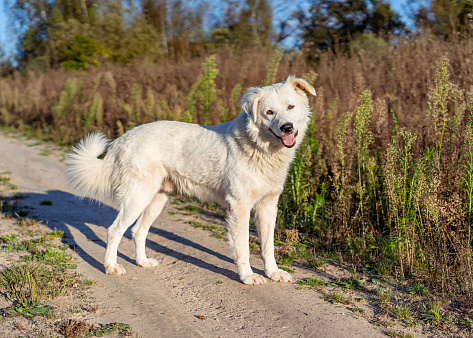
[
  {"x": 155, "y": 12},
  {"x": 330, "y": 22},
  {"x": 42, "y": 27},
  {"x": 83, "y": 53},
  {"x": 78, "y": 34},
  {"x": 444, "y": 17},
  {"x": 383, "y": 19},
  {"x": 245, "y": 23}
]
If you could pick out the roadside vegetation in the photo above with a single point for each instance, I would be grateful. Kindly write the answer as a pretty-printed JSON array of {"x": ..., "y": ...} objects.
[{"x": 42, "y": 293}]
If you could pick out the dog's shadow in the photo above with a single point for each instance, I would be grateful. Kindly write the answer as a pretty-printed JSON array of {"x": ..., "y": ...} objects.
[{"x": 68, "y": 211}]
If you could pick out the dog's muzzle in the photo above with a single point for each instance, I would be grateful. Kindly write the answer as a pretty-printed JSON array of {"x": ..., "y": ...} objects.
[{"x": 288, "y": 141}]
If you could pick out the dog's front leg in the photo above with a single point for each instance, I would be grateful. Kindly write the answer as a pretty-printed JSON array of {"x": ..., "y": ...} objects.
[
  {"x": 266, "y": 213},
  {"x": 238, "y": 231}
]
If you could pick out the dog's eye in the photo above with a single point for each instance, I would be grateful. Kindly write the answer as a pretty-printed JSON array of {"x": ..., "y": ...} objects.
[
  {"x": 269, "y": 112},
  {"x": 290, "y": 106}
]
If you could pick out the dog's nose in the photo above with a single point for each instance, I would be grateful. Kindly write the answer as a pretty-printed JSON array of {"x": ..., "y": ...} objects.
[{"x": 287, "y": 127}]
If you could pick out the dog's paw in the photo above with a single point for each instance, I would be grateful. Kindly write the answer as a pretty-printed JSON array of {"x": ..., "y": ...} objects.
[
  {"x": 115, "y": 269},
  {"x": 148, "y": 263},
  {"x": 280, "y": 276},
  {"x": 254, "y": 279}
]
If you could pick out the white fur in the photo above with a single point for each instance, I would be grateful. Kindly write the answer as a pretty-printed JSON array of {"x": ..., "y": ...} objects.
[{"x": 241, "y": 165}]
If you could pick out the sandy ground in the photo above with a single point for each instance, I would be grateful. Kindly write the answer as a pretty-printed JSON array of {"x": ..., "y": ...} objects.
[{"x": 194, "y": 292}]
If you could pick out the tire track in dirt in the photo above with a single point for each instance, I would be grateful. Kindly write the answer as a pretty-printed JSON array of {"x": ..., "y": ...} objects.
[{"x": 195, "y": 291}]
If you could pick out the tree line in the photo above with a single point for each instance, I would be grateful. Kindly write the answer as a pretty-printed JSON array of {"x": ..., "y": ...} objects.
[{"x": 79, "y": 34}]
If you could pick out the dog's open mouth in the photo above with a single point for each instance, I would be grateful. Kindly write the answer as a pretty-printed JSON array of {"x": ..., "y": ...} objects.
[{"x": 288, "y": 141}]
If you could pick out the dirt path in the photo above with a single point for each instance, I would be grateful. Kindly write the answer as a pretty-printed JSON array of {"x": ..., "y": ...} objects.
[{"x": 196, "y": 277}]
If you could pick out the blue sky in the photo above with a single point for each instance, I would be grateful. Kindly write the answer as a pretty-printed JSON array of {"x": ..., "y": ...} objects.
[
  {"x": 6, "y": 39},
  {"x": 3, "y": 23}
]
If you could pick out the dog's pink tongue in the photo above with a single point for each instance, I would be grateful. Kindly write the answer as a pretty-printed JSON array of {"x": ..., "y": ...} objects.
[{"x": 289, "y": 140}]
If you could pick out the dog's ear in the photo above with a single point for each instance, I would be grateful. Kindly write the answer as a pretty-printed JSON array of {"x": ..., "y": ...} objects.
[
  {"x": 301, "y": 86},
  {"x": 250, "y": 101}
]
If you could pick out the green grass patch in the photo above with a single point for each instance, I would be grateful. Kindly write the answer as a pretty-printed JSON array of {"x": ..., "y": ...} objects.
[
  {"x": 350, "y": 284},
  {"x": 399, "y": 334},
  {"x": 220, "y": 236},
  {"x": 432, "y": 314},
  {"x": 418, "y": 289},
  {"x": 13, "y": 238},
  {"x": 50, "y": 256},
  {"x": 316, "y": 262},
  {"x": 339, "y": 298},
  {"x": 24, "y": 285},
  {"x": 56, "y": 233},
  {"x": 190, "y": 209},
  {"x": 202, "y": 226},
  {"x": 285, "y": 260},
  {"x": 312, "y": 282},
  {"x": 285, "y": 268},
  {"x": 466, "y": 323},
  {"x": 383, "y": 296},
  {"x": 402, "y": 311},
  {"x": 357, "y": 310},
  {"x": 88, "y": 282}
]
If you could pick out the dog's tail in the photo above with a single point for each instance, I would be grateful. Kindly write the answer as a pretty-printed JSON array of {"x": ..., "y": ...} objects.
[{"x": 86, "y": 174}]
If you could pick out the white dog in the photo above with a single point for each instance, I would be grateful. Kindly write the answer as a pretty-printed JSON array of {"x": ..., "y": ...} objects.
[{"x": 241, "y": 165}]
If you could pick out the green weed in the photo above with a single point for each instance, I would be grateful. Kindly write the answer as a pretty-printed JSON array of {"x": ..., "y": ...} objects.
[
  {"x": 350, "y": 284},
  {"x": 220, "y": 235},
  {"x": 202, "y": 226},
  {"x": 190, "y": 209},
  {"x": 254, "y": 244},
  {"x": 13, "y": 238},
  {"x": 88, "y": 282},
  {"x": 467, "y": 323},
  {"x": 203, "y": 94},
  {"x": 273, "y": 66},
  {"x": 402, "y": 311},
  {"x": 399, "y": 334},
  {"x": 24, "y": 286},
  {"x": 316, "y": 262},
  {"x": 418, "y": 289},
  {"x": 312, "y": 282},
  {"x": 358, "y": 310},
  {"x": 50, "y": 256},
  {"x": 284, "y": 260},
  {"x": 432, "y": 314},
  {"x": 337, "y": 297},
  {"x": 285, "y": 268},
  {"x": 383, "y": 296},
  {"x": 56, "y": 233}
]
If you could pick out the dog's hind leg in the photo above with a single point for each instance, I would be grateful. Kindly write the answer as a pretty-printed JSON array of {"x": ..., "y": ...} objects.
[
  {"x": 266, "y": 212},
  {"x": 140, "y": 230},
  {"x": 132, "y": 206}
]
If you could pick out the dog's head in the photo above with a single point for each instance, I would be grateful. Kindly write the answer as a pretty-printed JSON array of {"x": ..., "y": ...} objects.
[{"x": 280, "y": 111}]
